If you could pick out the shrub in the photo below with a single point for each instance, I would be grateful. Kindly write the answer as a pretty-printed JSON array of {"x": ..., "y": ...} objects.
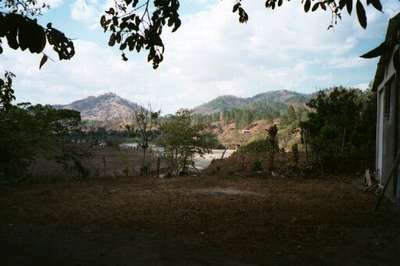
[
  {"x": 257, "y": 166},
  {"x": 257, "y": 147},
  {"x": 295, "y": 153}
]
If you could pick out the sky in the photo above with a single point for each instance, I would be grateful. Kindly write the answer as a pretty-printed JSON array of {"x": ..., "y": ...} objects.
[{"x": 212, "y": 54}]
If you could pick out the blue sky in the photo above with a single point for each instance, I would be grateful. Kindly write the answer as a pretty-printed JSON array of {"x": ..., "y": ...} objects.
[{"x": 210, "y": 55}]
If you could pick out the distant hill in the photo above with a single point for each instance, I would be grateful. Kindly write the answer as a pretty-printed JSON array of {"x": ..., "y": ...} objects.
[
  {"x": 114, "y": 112},
  {"x": 221, "y": 103},
  {"x": 108, "y": 110},
  {"x": 245, "y": 119},
  {"x": 282, "y": 98}
]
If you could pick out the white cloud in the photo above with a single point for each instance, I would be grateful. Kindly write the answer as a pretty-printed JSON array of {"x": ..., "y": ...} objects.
[
  {"x": 212, "y": 54},
  {"x": 88, "y": 12},
  {"x": 346, "y": 62},
  {"x": 362, "y": 86}
]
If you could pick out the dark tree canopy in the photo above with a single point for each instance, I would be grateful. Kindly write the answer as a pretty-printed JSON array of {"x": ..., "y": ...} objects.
[
  {"x": 6, "y": 91},
  {"x": 137, "y": 25},
  {"x": 20, "y": 29},
  {"x": 31, "y": 131},
  {"x": 341, "y": 128}
]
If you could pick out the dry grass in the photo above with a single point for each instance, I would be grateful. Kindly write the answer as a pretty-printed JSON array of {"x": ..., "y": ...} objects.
[{"x": 273, "y": 221}]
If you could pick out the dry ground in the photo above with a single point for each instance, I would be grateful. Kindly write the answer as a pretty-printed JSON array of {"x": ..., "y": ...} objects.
[{"x": 196, "y": 221}]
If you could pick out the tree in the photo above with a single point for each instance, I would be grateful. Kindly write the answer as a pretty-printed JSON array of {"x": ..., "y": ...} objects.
[
  {"x": 273, "y": 145},
  {"x": 6, "y": 92},
  {"x": 59, "y": 126},
  {"x": 27, "y": 131},
  {"x": 181, "y": 140},
  {"x": 20, "y": 28},
  {"x": 145, "y": 122},
  {"x": 341, "y": 126}
]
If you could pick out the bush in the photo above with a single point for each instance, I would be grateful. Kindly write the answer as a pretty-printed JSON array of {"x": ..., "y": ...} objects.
[
  {"x": 256, "y": 147},
  {"x": 295, "y": 153},
  {"x": 257, "y": 166}
]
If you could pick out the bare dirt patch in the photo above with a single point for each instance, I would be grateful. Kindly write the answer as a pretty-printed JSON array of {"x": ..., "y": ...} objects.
[
  {"x": 225, "y": 192},
  {"x": 138, "y": 221}
]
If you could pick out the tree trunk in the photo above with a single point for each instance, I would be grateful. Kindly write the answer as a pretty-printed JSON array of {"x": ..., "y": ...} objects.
[
  {"x": 144, "y": 170},
  {"x": 343, "y": 139},
  {"x": 305, "y": 145},
  {"x": 223, "y": 154},
  {"x": 184, "y": 164}
]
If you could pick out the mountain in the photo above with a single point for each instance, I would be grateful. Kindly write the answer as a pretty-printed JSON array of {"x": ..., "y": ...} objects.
[
  {"x": 108, "y": 109},
  {"x": 113, "y": 112},
  {"x": 282, "y": 98},
  {"x": 221, "y": 103}
]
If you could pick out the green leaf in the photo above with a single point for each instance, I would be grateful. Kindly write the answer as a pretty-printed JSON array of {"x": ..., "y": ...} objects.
[
  {"x": 376, "y": 3},
  {"x": 315, "y": 7},
  {"x": 307, "y": 5},
  {"x": 235, "y": 7},
  {"x": 103, "y": 21},
  {"x": 111, "y": 42},
  {"x": 43, "y": 61},
  {"x": 362, "y": 18},
  {"x": 342, "y": 3},
  {"x": 177, "y": 25},
  {"x": 111, "y": 11},
  {"x": 349, "y": 6}
]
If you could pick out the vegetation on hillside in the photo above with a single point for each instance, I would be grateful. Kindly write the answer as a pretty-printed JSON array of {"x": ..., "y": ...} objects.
[
  {"x": 240, "y": 126},
  {"x": 264, "y": 105},
  {"x": 336, "y": 134}
]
